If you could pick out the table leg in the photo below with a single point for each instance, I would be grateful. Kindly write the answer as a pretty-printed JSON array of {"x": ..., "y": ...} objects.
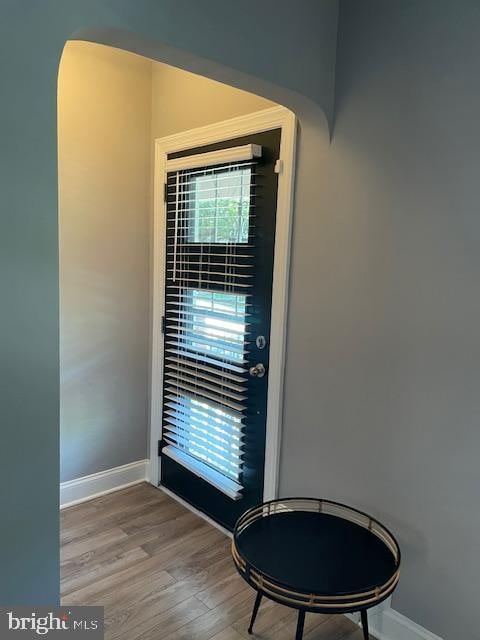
[
  {"x": 363, "y": 615},
  {"x": 256, "y": 606},
  {"x": 300, "y": 623}
]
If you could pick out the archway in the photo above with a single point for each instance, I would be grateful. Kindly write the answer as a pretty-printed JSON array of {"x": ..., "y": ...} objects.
[{"x": 30, "y": 194}]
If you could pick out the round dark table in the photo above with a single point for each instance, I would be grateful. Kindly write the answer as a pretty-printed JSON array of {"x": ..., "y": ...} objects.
[{"x": 315, "y": 556}]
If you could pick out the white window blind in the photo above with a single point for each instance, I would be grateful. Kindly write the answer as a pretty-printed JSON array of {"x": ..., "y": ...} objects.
[{"x": 210, "y": 260}]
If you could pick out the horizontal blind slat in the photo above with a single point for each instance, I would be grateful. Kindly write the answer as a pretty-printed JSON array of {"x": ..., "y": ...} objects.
[
  {"x": 192, "y": 327},
  {"x": 226, "y": 374},
  {"x": 227, "y": 273},
  {"x": 198, "y": 374},
  {"x": 226, "y": 485},
  {"x": 221, "y": 432},
  {"x": 208, "y": 446},
  {"x": 200, "y": 384},
  {"x": 201, "y": 357},
  {"x": 198, "y": 341},
  {"x": 206, "y": 394},
  {"x": 185, "y": 400}
]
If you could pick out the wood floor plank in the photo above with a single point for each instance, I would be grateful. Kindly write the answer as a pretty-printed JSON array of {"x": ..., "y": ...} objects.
[
  {"x": 86, "y": 512},
  {"x": 75, "y": 548},
  {"x": 271, "y": 619},
  {"x": 140, "y": 492},
  {"x": 77, "y": 515},
  {"x": 206, "y": 555},
  {"x": 227, "y": 634},
  {"x": 213, "y": 596},
  {"x": 107, "y": 567},
  {"x": 152, "y": 535},
  {"x": 145, "y": 572},
  {"x": 334, "y": 628},
  {"x": 107, "y": 518},
  {"x": 179, "y": 518},
  {"x": 157, "y": 596},
  {"x": 180, "y": 550},
  {"x": 114, "y": 586},
  {"x": 153, "y": 600},
  {"x": 207, "y": 625},
  {"x": 163, "y": 573},
  {"x": 167, "y": 614}
]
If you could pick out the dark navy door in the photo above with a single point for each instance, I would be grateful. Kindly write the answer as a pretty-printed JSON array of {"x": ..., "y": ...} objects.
[{"x": 218, "y": 289}]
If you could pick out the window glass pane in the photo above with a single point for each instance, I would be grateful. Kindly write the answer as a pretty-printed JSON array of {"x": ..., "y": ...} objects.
[
  {"x": 218, "y": 324},
  {"x": 219, "y": 212},
  {"x": 212, "y": 435}
]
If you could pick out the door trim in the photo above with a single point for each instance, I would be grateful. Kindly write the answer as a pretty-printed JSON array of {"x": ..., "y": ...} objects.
[{"x": 265, "y": 120}]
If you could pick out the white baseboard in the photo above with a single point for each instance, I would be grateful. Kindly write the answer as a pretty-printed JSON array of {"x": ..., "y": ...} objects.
[
  {"x": 387, "y": 624},
  {"x": 98, "y": 484},
  {"x": 394, "y": 626}
]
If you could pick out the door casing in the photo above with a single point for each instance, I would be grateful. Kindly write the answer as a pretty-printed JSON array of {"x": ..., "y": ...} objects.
[{"x": 265, "y": 120}]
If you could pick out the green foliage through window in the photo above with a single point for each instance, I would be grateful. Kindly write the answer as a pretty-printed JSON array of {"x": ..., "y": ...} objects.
[{"x": 220, "y": 207}]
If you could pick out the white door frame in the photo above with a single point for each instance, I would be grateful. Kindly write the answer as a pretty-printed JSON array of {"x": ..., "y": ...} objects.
[{"x": 265, "y": 120}]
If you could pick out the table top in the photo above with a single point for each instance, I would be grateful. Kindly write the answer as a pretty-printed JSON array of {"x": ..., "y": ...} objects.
[{"x": 316, "y": 552}]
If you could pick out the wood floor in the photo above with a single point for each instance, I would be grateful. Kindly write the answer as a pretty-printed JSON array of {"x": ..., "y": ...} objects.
[{"x": 163, "y": 573}]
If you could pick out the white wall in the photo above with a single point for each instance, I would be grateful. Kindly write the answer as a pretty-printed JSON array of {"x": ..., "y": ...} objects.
[
  {"x": 182, "y": 100},
  {"x": 104, "y": 137}
]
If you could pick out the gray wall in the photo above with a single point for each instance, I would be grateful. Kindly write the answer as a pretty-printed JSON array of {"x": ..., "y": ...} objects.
[
  {"x": 383, "y": 373},
  {"x": 229, "y": 46}
]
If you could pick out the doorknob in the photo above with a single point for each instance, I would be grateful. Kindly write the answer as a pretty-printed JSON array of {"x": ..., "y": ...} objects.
[{"x": 258, "y": 371}]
